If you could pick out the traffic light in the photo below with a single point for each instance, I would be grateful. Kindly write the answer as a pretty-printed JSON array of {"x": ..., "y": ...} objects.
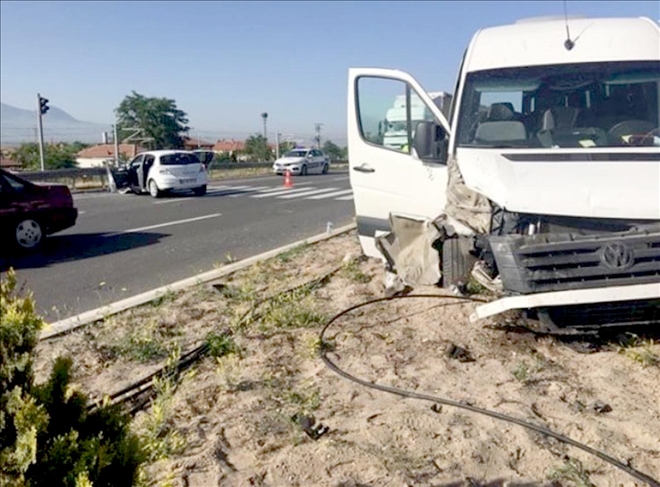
[{"x": 43, "y": 105}]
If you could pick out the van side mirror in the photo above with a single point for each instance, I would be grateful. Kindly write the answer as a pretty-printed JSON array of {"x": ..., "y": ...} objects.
[{"x": 430, "y": 142}]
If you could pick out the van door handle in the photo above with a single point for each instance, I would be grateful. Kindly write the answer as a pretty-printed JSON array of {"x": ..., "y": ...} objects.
[{"x": 363, "y": 168}]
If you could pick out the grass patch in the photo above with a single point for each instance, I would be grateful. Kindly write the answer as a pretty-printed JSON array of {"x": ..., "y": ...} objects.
[
  {"x": 229, "y": 372},
  {"x": 167, "y": 297},
  {"x": 638, "y": 350},
  {"x": 571, "y": 471},
  {"x": 352, "y": 271},
  {"x": 158, "y": 437},
  {"x": 305, "y": 401},
  {"x": 243, "y": 291},
  {"x": 524, "y": 371},
  {"x": 474, "y": 288},
  {"x": 291, "y": 254},
  {"x": 221, "y": 174},
  {"x": 145, "y": 343},
  {"x": 221, "y": 345},
  {"x": 521, "y": 372},
  {"x": 293, "y": 310}
]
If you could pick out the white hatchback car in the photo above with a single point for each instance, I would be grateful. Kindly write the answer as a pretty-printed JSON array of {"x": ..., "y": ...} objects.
[
  {"x": 161, "y": 171},
  {"x": 302, "y": 161}
]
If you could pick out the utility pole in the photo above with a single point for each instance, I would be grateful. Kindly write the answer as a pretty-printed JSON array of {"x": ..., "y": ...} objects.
[
  {"x": 317, "y": 127},
  {"x": 264, "y": 115},
  {"x": 277, "y": 145},
  {"x": 115, "y": 140},
  {"x": 42, "y": 108}
]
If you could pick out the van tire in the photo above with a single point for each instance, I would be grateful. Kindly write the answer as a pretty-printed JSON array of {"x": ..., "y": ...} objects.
[
  {"x": 456, "y": 262},
  {"x": 201, "y": 191}
]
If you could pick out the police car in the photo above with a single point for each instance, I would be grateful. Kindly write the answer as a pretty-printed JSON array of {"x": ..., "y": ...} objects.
[{"x": 302, "y": 161}]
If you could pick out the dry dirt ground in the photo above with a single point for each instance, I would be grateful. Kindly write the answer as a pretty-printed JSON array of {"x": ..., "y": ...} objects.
[{"x": 240, "y": 416}]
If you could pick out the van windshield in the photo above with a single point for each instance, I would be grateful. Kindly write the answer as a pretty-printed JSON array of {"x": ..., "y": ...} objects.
[{"x": 570, "y": 105}]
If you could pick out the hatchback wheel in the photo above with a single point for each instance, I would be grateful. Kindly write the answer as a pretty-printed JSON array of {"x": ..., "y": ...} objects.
[
  {"x": 303, "y": 171},
  {"x": 28, "y": 234},
  {"x": 325, "y": 169},
  {"x": 201, "y": 191},
  {"x": 153, "y": 189}
]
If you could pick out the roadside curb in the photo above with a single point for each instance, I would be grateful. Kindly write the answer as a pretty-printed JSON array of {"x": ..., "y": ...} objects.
[{"x": 69, "y": 324}]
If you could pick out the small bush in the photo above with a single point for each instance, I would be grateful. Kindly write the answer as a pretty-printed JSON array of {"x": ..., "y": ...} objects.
[
  {"x": 47, "y": 435},
  {"x": 221, "y": 345}
]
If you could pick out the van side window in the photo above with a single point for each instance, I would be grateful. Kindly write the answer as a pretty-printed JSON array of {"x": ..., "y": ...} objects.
[
  {"x": 383, "y": 107},
  {"x": 389, "y": 111}
]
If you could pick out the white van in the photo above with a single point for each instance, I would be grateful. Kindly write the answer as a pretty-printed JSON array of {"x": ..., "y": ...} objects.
[{"x": 544, "y": 180}]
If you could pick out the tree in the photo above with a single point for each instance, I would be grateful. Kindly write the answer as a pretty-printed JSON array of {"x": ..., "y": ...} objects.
[
  {"x": 256, "y": 147},
  {"x": 56, "y": 156},
  {"x": 285, "y": 147},
  {"x": 332, "y": 150},
  {"x": 158, "y": 118}
]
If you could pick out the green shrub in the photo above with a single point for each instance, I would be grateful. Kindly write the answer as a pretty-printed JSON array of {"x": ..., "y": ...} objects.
[{"x": 47, "y": 434}]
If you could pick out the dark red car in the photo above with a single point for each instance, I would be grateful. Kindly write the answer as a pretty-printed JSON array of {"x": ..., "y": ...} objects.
[{"x": 29, "y": 212}]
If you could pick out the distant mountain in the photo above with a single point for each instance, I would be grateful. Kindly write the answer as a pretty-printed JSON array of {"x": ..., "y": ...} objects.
[{"x": 18, "y": 125}]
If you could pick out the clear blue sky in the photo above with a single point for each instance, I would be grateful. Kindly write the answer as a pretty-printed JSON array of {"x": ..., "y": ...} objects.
[{"x": 224, "y": 63}]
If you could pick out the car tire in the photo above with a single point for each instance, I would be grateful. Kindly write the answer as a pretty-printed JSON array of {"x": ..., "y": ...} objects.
[
  {"x": 153, "y": 189},
  {"x": 303, "y": 170},
  {"x": 326, "y": 168},
  {"x": 201, "y": 191},
  {"x": 28, "y": 234}
]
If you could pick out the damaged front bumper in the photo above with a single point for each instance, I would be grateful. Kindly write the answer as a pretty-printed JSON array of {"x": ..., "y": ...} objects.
[
  {"x": 580, "y": 281},
  {"x": 566, "y": 279},
  {"x": 635, "y": 305}
]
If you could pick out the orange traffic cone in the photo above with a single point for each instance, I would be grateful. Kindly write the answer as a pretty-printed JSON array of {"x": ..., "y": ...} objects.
[{"x": 287, "y": 179}]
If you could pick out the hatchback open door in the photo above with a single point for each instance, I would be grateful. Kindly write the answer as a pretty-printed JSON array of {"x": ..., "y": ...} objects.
[
  {"x": 397, "y": 151},
  {"x": 205, "y": 157}
]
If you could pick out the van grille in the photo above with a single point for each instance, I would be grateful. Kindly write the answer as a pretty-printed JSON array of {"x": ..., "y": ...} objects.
[{"x": 555, "y": 262}]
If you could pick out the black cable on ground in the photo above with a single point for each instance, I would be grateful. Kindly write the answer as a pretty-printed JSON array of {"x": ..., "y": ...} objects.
[
  {"x": 145, "y": 384},
  {"x": 448, "y": 402}
]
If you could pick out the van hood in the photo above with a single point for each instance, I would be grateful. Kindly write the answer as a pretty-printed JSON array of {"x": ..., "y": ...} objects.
[{"x": 605, "y": 183}]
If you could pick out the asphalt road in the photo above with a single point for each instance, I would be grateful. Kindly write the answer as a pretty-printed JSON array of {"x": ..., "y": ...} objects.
[{"x": 123, "y": 245}]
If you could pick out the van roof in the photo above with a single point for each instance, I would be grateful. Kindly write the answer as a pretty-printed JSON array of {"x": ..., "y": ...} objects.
[{"x": 535, "y": 42}]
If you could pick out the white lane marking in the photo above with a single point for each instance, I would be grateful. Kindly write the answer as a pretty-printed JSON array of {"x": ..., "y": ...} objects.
[
  {"x": 160, "y": 225},
  {"x": 281, "y": 191},
  {"x": 330, "y": 195},
  {"x": 173, "y": 200},
  {"x": 243, "y": 192},
  {"x": 81, "y": 212},
  {"x": 345, "y": 198},
  {"x": 306, "y": 193},
  {"x": 343, "y": 178},
  {"x": 226, "y": 188}
]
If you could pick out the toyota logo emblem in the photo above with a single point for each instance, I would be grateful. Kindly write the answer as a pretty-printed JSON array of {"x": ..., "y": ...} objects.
[{"x": 617, "y": 256}]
